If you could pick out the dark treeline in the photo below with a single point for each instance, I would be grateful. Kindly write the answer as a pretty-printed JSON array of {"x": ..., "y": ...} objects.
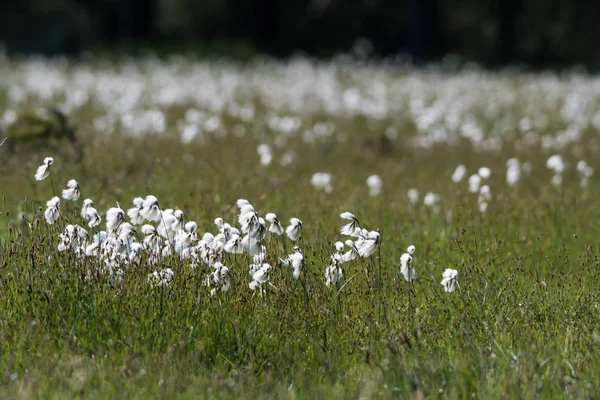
[{"x": 494, "y": 32}]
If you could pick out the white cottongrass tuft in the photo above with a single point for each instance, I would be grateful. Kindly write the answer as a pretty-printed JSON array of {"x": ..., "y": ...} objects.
[
  {"x": 53, "y": 210},
  {"x": 234, "y": 245},
  {"x": 296, "y": 261},
  {"x": 248, "y": 216},
  {"x": 150, "y": 209},
  {"x": 259, "y": 276},
  {"x": 375, "y": 184},
  {"x": 294, "y": 230},
  {"x": 351, "y": 226},
  {"x": 92, "y": 216},
  {"x": 350, "y": 254},
  {"x": 134, "y": 213},
  {"x": 86, "y": 204},
  {"x": 449, "y": 279},
  {"x": 152, "y": 240},
  {"x": 125, "y": 231},
  {"x": 218, "y": 279},
  {"x": 334, "y": 272},
  {"x": 406, "y": 267},
  {"x": 43, "y": 170},
  {"x": 72, "y": 192},
  {"x": 161, "y": 278},
  {"x": 275, "y": 226},
  {"x": 75, "y": 238},
  {"x": 367, "y": 243},
  {"x": 114, "y": 216}
]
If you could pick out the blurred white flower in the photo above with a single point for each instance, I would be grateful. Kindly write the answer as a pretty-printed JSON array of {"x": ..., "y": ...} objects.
[
  {"x": 287, "y": 158},
  {"x": 449, "y": 280},
  {"x": 485, "y": 192},
  {"x": 459, "y": 173},
  {"x": 72, "y": 192},
  {"x": 265, "y": 153},
  {"x": 413, "y": 196},
  {"x": 322, "y": 181},
  {"x": 485, "y": 195},
  {"x": 484, "y": 172},
  {"x": 557, "y": 180},
  {"x": 431, "y": 199},
  {"x": 556, "y": 164},
  {"x": 513, "y": 171},
  {"x": 375, "y": 184},
  {"x": 474, "y": 183},
  {"x": 585, "y": 172},
  {"x": 483, "y": 205},
  {"x": 53, "y": 210},
  {"x": 43, "y": 170}
]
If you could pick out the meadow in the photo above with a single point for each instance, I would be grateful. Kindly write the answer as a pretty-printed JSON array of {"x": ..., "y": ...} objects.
[{"x": 490, "y": 174}]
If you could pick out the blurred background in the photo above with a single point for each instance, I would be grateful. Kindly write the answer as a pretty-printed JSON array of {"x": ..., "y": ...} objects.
[{"x": 534, "y": 33}]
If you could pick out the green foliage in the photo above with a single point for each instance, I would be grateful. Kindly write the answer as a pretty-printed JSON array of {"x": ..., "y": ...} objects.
[{"x": 40, "y": 123}]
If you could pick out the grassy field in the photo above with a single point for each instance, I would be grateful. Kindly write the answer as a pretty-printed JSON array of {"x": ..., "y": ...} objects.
[{"x": 523, "y": 322}]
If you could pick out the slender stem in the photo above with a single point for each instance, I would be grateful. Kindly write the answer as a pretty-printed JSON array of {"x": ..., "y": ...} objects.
[
  {"x": 166, "y": 230},
  {"x": 52, "y": 184}
]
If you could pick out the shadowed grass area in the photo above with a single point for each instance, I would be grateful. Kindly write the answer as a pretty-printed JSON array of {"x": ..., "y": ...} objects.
[{"x": 524, "y": 322}]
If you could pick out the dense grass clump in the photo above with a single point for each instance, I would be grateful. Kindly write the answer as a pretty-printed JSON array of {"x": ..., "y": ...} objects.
[{"x": 523, "y": 320}]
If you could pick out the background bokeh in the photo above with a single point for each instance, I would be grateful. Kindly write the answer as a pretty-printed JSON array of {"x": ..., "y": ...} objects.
[{"x": 534, "y": 33}]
